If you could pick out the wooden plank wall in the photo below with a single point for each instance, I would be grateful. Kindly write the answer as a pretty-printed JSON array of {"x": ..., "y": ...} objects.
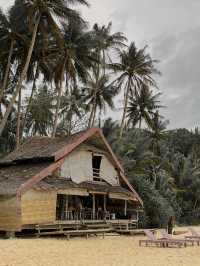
[
  {"x": 10, "y": 214},
  {"x": 38, "y": 207}
]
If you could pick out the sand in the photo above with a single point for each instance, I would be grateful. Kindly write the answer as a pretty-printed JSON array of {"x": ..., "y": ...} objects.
[{"x": 112, "y": 251}]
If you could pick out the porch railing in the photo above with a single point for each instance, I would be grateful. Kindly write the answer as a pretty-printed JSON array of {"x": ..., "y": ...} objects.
[{"x": 86, "y": 215}]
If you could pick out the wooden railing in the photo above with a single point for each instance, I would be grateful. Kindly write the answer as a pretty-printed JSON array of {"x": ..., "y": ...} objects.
[
  {"x": 97, "y": 176},
  {"x": 96, "y": 172},
  {"x": 85, "y": 215}
]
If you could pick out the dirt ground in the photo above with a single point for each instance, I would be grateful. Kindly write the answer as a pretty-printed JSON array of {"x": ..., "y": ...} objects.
[{"x": 111, "y": 251}]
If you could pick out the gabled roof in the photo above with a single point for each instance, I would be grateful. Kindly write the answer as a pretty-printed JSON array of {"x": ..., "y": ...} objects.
[
  {"x": 14, "y": 176},
  {"x": 55, "y": 150},
  {"x": 40, "y": 148}
]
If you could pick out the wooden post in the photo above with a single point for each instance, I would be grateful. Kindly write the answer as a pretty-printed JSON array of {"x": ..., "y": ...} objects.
[
  {"x": 93, "y": 206},
  {"x": 137, "y": 218},
  {"x": 125, "y": 208},
  {"x": 66, "y": 208},
  {"x": 104, "y": 203}
]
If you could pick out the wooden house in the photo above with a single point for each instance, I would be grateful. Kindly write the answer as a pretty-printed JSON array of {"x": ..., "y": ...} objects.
[{"x": 64, "y": 180}]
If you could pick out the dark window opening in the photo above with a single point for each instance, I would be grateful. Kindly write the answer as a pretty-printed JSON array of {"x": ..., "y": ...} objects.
[
  {"x": 96, "y": 165},
  {"x": 61, "y": 206}
]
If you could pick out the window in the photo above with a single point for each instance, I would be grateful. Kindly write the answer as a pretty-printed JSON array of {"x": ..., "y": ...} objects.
[{"x": 96, "y": 165}]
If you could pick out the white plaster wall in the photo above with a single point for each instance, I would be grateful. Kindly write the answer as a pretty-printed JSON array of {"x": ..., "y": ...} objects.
[{"x": 78, "y": 167}]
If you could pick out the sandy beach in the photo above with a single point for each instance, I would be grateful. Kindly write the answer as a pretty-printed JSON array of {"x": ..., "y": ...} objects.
[{"x": 111, "y": 251}]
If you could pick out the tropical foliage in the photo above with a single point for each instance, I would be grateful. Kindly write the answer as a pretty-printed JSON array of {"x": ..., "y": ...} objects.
[{"x": 168, "y": 181}]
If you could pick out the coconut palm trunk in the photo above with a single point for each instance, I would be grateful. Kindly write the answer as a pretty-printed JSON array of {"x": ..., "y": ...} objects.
[
  {"x": 5, "y": 81},
  {"x": 97, "y": 74},
  {"x": 30, "y": 99},
  {"x": 94, "y": 114},
  {"x": 59, "y": 90},
  {"x": 22, "y": 77},
  {"x": 18, "y": 120},
  {"x": 125, "y": 107},
  {"x": 91, "y": 117}
]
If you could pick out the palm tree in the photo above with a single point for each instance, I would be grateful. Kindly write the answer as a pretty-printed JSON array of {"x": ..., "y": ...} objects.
[
  {"x": 7, "y": 39},
  {"x": 8, "y": 138},
  {"x": 99, "y": 94},
  {"x": 40, "y": 16},
  {"x": 18, "y": 119},
  {"x": 142, "y": 106},
  {"x": 105, "y": 40},
  {"x": 74, "y": 60},
  {"x": 40, "y": 117},
  {"x": 72, "y": 110},
  {"x": 109, "y": 127},
  {"x": 157, "y": 131},
  {"x": 136, "y": 67}
]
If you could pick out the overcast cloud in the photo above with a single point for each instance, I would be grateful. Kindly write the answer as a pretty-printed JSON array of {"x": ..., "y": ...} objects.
[{"x": 172, "y": 31}]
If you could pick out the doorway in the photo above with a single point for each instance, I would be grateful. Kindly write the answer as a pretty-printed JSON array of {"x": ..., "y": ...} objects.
[{"x": 61, "y": 205}]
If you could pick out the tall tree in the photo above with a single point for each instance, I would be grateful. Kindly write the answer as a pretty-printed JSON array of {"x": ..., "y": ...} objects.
[
  {"x": 99, "y": 94},
  {"x": 73, "y": 61},
  {"x": 135, "y": 68},
  {"x": 142, "y": 106},
  {"x": 40, "y": 16},
  {"x": 105, "y": 41},
  {"x": 72, "y": 110},
  {"x": 157, "y": 131},
  {"x": 40, "y": 116},
  {"x": 7, "y": 39}
]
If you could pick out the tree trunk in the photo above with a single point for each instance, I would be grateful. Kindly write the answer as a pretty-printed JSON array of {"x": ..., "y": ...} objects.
[
  {"x": 5, "y": 81},
  {"x": 91, "y": 116},
  {"x": 22, "y": 77},
  {"x": 55, "y": 125},
  {"x": 30, "y": 100},
  {"x": 94, "y": 114},
  {"x": 59, "y": 89},
  {"x": 97, "y": 73},
  {"x": 18, "y": 120},
  {"x": 125, "y": 109}
]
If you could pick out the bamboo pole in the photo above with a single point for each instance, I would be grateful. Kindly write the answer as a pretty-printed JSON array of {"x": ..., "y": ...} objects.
[
  {"x": 104, "y": 203},
  {"x": 125, "y": 208},
  {"x": 93, "y": 206}
]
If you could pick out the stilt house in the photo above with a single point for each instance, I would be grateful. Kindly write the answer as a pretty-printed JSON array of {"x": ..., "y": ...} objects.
[{"x": 64, "y": 180}]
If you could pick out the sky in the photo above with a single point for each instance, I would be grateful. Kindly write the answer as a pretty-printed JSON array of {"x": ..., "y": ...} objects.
[{"x": 171, "y": 29}]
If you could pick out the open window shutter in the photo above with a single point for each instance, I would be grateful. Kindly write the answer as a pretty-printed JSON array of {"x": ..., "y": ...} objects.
[
  {"x": 108, "y": 171},
  {"x": 81, "y": 166}
]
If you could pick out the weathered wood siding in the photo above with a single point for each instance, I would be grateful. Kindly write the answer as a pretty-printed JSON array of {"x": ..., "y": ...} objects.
[
  {"x": 78, "y": 167},
  {"x": 38, "y": 207},
  {"x": 10, "y": 214}
]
